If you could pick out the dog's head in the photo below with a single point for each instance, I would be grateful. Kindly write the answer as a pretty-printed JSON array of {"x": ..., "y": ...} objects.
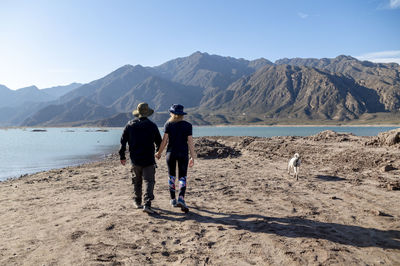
[{"x": 296, "y": 155}]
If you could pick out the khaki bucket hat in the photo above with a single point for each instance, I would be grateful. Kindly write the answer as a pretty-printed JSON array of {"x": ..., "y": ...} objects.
[{"x": 143, "y": 110}]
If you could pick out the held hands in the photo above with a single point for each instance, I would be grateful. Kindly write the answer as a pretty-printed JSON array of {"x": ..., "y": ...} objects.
[
  {"x": 191, "y": 162},
  {"x": 158, "y": 155},
  {"x": 123, "y": 162}
]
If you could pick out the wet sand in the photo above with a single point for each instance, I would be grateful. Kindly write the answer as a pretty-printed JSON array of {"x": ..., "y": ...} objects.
[{"x": 244, "y": 208}]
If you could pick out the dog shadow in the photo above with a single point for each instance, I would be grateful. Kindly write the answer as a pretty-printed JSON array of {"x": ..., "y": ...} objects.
[
  {"x": 330, "y": 178},
  {"x": 292, "y": 227}
]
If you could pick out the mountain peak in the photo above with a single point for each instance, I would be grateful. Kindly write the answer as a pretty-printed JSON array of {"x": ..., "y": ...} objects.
[
  {"x": 198, "y": 53},
  {"x": 197, "y": 56},
  {"x": 2, "y": 87},
  {"x": 260, "y": 63},
  {"x": 29, "y": 88},
  {"x": 125, "y": 69},
  {"x": 127, "y": 66},
  {"x": 345, "y": 57}
]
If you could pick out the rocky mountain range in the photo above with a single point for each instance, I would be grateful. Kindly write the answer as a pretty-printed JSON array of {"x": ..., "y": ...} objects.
[
  {"x": 297, "y": 92},
  {"x": 220, "y": 90},
  {"x": 17, "y": 105},
  {"x": 383, "y": 78}
]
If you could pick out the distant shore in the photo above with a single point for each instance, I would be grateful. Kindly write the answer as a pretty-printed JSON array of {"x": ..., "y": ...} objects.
[
  {"x": 227, "y": 125},
  {"x": 307, "y": 125}
]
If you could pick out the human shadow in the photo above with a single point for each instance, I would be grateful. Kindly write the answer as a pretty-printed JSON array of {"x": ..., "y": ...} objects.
[
  {"x": 330, "y": 178},
  {"x": 293, "y": 227}
]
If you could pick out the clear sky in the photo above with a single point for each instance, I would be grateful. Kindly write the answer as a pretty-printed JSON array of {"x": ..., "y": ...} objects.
[{"x": 56, "y": 42}]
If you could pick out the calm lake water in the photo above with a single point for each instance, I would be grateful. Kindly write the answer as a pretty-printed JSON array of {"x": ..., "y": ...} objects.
[{"x": 23, "y": 151}]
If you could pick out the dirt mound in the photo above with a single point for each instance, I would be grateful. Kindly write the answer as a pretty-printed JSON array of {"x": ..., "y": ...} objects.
[
  {"x": 212, "y": 149},
  {"x": 330, "y": 135},
  {"x": 246, "y": 141},
  {"x": 389, "y": 138}
]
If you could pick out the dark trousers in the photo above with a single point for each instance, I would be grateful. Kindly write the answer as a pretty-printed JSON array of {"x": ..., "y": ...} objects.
[{"x": 140, "y": 173}]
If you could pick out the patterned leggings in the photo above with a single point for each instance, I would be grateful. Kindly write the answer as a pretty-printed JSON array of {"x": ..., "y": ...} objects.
[{"x": 182, "y": 174}]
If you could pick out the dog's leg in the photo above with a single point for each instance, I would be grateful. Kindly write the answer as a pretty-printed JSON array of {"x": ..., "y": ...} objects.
[{"x": 297, "y": 172}]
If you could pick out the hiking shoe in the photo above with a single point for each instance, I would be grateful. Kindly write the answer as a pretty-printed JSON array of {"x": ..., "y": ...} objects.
[
  {"x": 181, "y": 203},
  {"x": 173, "y": 203},
  {"x": 148, "y": 209}
]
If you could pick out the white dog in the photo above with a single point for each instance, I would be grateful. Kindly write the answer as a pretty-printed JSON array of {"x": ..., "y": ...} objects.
[{"x": 294, "y": 164}]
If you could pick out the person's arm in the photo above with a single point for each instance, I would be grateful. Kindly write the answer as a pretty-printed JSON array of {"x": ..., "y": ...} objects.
[
  {"x": 157, "y": 139},
  {"x": 191, "y": 151},
  {"x": 122, "y": 149},
  {"x": 162, "y": 146}
]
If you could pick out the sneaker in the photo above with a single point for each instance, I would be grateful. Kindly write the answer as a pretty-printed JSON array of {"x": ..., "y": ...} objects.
[
  {"x": 181, "y": 203},
  {"x": 148, "y": 209},
  {"x": 137, "y": 205},
  {"x": 173, "y": 203}
]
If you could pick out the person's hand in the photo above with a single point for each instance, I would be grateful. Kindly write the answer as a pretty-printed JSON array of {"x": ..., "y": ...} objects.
[
  {"x": 191, "y": 162},
  {"x": 158, "y": 155},
  {"x": 123, "y": 162}
]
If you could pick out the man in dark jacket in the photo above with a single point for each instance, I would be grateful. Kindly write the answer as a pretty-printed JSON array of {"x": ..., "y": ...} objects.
[{"x": 141, "y": 134}]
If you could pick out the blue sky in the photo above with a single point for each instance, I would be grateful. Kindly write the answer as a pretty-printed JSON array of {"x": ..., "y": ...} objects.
[{"x": 56, "y": 42}]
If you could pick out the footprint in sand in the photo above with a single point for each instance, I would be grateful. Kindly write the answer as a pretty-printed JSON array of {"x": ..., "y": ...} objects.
[
  {"x": 249, "y": 201},
  {"x": 77, "y": 234},
  {"x": 110, "y": 227}
]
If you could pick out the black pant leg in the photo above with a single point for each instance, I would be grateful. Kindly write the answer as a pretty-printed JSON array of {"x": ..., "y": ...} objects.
[
  {"x": 171, "y": 163},
  {"x": 182, "y": 171},
  {"x": 149, "y": 182}
]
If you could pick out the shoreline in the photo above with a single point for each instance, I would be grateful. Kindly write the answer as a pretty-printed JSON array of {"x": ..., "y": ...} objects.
[
  {"x": 304, "y": 125},
  {"x": 103, "y": 156},
  {"x": 43, "y": 127}
]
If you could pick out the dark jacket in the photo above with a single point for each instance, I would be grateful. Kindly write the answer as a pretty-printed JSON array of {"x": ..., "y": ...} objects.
[{"x": 141, "y": 134}]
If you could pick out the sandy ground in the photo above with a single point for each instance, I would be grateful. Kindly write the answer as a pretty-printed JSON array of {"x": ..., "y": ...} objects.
[{"x": 244, "y": 208}]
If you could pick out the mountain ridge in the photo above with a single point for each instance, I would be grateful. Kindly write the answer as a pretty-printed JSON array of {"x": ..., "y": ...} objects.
[
  {"x": 382, "y": 77},
  {"x": 219, "y": 89},
  {"x": 299, "y": 92}
]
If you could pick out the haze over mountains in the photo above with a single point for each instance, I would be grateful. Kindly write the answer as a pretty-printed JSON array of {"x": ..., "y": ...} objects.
[
  {"x": 217, "y": 90},
  {"x": 17, "y": 105}
]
